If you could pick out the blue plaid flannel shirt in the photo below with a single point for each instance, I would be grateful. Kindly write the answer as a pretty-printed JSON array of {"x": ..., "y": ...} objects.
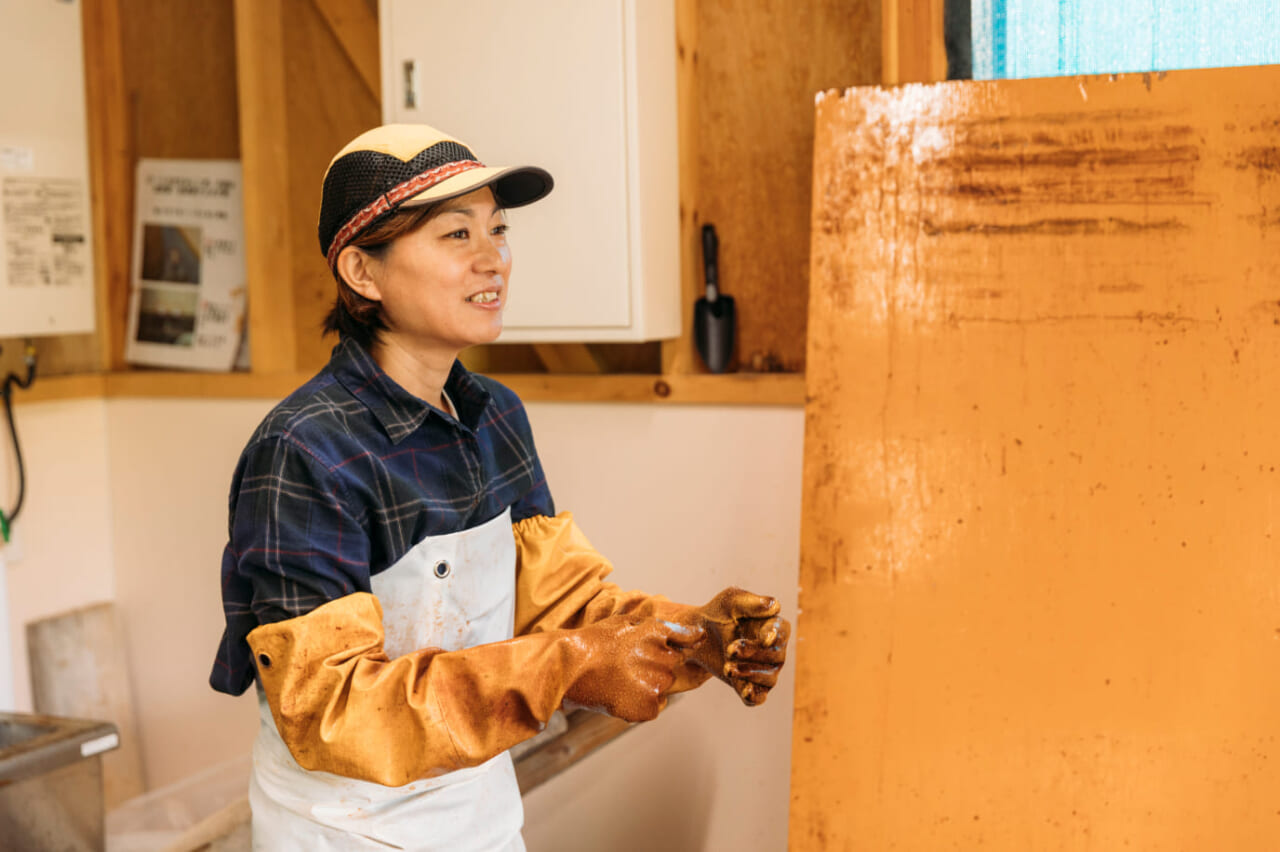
[{"x": 346, "y": 475}]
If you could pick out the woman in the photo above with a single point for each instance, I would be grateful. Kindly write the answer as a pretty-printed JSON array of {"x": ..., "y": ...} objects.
[{"x": 397, "y": 580}]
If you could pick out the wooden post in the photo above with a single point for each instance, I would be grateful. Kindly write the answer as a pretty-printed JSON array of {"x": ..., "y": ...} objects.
[
  {"x": 678, "y": 355},
  {"x": 264, "y": 155},
  {"x": 110, "y": 172},
  {"x": 914, "y": 50}
]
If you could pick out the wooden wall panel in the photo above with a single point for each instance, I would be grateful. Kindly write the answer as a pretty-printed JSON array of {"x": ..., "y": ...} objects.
[
  {"x": 180, "y": 69},
  {"x": 1038, "y": 582},
  {"x": 756, "y": 67},
  {"x": 57, "y": 355}
]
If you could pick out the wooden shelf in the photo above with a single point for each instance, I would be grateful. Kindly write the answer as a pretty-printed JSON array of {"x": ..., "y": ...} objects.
[
  {"x": 53, "y": 388},
  {"x": 785, "y": 389}
]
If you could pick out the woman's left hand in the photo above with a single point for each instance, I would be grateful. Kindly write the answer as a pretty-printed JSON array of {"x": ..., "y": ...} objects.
[{"x": 746, "y": 644}]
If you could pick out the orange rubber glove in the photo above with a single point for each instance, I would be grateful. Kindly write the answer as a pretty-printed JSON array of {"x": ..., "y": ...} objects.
[
  {"x": 560, "y": 583},
  {"x": 746, "y": 641},
  {"x": 342, "y": 706}
]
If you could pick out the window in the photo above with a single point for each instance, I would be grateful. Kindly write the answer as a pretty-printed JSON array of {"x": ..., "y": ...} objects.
[{"x": 1047, "y": 38}]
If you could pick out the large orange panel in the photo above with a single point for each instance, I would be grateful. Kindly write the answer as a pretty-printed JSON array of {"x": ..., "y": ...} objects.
[{"x": 1039, "y": 598}]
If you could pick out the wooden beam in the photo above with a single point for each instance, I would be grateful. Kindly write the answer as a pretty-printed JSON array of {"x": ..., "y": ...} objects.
[
  {"x": 914, "y": 49},
  {"x": 264, "y": 155},
  {"x": 567, "y": 358},
  {"x": 318, "y": 71},
  {"x": 355, "y": 26},
  {"x": 111, "y": 159},
  {"x": 678, "y": 355},
  {"x": 587, "y": 732}
]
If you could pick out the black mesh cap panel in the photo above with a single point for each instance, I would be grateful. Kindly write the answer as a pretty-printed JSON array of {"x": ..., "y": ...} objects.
[{"x": 358, "y": 178}]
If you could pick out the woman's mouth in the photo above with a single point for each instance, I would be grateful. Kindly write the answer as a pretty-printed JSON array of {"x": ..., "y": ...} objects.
[{"x": 484, "y": 298}]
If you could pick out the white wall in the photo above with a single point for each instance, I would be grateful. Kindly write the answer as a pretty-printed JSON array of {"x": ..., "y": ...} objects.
[
  {"x": 173, "y": 461},
  {"x": 62, "y": 554},
  {"x": 685, "y": 500}
]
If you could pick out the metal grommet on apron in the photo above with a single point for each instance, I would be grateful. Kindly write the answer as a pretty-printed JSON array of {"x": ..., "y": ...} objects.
[{"x": 442, "y": 569}]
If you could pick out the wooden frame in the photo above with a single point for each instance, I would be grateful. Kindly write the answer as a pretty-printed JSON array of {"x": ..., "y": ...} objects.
[{"x": 914, "y": 48}]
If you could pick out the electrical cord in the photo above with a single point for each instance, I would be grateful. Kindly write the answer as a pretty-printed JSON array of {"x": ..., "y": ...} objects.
[{"x": 6, "y": 393}]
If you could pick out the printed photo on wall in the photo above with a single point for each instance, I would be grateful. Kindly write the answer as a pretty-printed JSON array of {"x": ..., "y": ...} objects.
[{"x": 187, "y": 301}]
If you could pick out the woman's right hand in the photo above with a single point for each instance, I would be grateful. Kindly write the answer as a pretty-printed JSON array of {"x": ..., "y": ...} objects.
[{"x": 630, "y": 663}]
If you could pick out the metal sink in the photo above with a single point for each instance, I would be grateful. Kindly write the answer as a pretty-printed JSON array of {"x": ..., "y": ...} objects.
[
  {"x": 51, "y": 781},
  {"x": 13, "y": 733}
]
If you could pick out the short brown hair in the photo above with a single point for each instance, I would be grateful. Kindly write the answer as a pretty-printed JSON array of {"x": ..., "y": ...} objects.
[{"x": 352, "y": 315}]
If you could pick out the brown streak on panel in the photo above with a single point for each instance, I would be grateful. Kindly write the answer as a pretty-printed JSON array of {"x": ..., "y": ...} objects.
[
  {"x": 1066, "y": 158},
  {"x": 1056, "y": 227},
  {"x": 1260, "y": 158}
]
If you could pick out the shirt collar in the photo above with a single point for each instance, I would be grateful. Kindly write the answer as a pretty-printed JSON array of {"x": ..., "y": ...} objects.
[{"x": 399, "y": 412}]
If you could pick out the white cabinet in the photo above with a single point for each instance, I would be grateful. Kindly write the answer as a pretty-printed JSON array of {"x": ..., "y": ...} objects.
[{"x": 586, "y": 89}]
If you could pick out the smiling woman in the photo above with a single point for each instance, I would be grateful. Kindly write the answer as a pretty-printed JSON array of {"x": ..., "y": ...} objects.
[
  {"x": 397, "y": 581},
  {"x": 440, "y": 285}
]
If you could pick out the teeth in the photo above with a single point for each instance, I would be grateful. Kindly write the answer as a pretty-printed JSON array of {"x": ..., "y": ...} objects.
[{"x": 484, "y": 298}]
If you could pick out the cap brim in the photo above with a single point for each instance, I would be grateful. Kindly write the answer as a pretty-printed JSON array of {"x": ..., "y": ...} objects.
[{"x": 513, "y": 186}]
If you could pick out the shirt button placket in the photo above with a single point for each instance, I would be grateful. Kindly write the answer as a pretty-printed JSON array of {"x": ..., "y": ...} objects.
[{"x": 475, "y": 461}]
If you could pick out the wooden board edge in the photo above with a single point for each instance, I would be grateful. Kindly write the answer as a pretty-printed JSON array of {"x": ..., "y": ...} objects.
[
  {"x": 776, "y": 389},
  {"x": 588, "y": 731}
]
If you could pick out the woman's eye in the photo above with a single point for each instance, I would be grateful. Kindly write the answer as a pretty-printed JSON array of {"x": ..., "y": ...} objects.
[
  {"x": 460, "y": 234},
  {"x": 500, "y": 230}
]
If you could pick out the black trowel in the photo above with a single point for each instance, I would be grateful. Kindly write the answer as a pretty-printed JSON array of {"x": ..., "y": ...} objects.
[{"x": 713, "y": 315}]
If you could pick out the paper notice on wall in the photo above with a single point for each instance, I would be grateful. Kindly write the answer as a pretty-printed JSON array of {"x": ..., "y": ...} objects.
[
  {"x": 46, "y": 232},
  {"x": 187, "y": 301},
  {"x": 16, "y": 158}
]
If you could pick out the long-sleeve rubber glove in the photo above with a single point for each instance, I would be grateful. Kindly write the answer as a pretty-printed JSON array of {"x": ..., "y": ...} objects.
[
  {"x": 342, "y": 706},
  {"x": 560, "y": 582}
]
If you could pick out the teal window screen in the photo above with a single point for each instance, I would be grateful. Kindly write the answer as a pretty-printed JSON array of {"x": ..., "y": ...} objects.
[{"x": 1049, "y": 38}]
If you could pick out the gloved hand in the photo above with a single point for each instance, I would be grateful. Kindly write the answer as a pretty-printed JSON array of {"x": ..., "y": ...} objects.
[
  {"x": 746, "y": 641},
  {"x": 629, "y": 662}
]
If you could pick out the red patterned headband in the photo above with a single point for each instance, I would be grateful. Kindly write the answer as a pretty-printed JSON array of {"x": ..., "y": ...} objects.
[{"x": 392, "y": 199}]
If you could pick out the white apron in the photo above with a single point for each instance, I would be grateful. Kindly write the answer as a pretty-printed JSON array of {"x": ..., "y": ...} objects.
[{"x": 451, "y": 591}]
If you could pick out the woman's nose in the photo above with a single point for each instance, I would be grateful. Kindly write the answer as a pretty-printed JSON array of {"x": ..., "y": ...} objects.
[{"x": 489, "y": 254}]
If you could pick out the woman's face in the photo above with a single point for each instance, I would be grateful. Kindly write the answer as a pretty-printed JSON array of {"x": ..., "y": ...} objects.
[{"x": 444, "y": 286}]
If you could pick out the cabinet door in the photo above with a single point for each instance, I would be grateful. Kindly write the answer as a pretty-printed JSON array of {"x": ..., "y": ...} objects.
[{"x": 539, "y": 84}]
